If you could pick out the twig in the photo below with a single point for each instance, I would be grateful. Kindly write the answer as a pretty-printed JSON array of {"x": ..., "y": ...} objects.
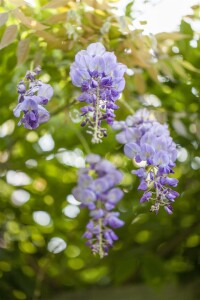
[
  {"x": 171, "y": 245},
  {"x": 61, "y": 108},
  {"x": 127, "y": 106}
]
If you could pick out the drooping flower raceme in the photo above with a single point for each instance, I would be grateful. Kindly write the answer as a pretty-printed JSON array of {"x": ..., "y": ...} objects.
[
  {"x": 97, "y": 191},
  {"x": 148, "y": 141},
  {"x": 101, "y": 79},
  {"x": 33, "y": 94}
]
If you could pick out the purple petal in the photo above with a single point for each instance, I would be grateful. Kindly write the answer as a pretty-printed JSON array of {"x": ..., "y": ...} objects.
[
  {"x": 170, "y": 181},
  {"x": 120, "y": 70},
  {"x": 45, "y": 91},
  {"x": 109, "y": 206},
  {"x": 90, "y": 225},
  {"x": 143, "y": 185},
  {"x": 97, "y": 214},
  {"x": 114, "y": 177},
  {"x": 92, "y": 158},
  {"x": 77, "y": 76},
  {"x": 96, "y": 64},
  {"x": 169, "y": 209},
  {"x": 29, "y": 104},
  {"x": 113, "y": 221},
  {"x": 96, "y": 49},
  {"x": 105, "y": 166},
  {"x": 110, "y": 62},
  {"x": 131, "y": 150},
  {"x": 99, "y": 185},
  {"x": 171, "y": 195},
  {"x": 161, "y": 158},
  {"x": 81, "y": 60},
  {"x": 145, "y": 197},
  {"x": 88, "y": 235},
  {"x": 108, "y": 238},
  {"x": 114, "y": 195},
  {"x": 43, "y": 115},
  {"x": 119, "y": 84},
  {"x": 84, "y": 180},
  {"x": 147, "y": 151},
  {"x": 17, "y": 110},
  {"x": 140, "y": 172},
  {"x": 121, "y": 137},
  {"x": 117, "y": 125},
  {"x": 87, "y": 196}
]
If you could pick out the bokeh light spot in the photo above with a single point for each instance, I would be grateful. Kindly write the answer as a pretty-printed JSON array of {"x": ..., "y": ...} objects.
[
  {"x": 19, "y": 197},
  {"x": 42, "y": 218},
  {"x": 17, "y": 178},
  {"x": 56, "y": 245},
  {"x": 71, "y": 211},
  {"x": 70, "y": 198},
  {"x": 46, "y": 142}
]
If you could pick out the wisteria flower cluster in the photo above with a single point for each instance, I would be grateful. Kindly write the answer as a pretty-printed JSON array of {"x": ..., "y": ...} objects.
[
  {"x": 97, "y": 191},
  {"x": 148, "y": 141},
  {"x": 33, "y": 95},
  {"x": 101, "y": 79}
]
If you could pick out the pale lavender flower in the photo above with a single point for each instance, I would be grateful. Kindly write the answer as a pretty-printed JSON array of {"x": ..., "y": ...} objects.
[
  {"x": 96, "y": 191},
  {"x": 101, "y": 79},
  {"x": 33, "y": 94},
  {"x": 148, "y": 141}
]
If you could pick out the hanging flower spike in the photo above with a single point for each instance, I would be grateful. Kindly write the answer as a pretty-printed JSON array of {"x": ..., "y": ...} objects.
[
  {"x": 148, "y": 141},
  {"x": 101, "y": 79},
  {"x": 33, "y": 94},
  {"x": 96, "y": 191}
]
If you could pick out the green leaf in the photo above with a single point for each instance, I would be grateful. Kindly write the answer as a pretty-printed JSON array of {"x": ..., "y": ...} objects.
[
  {"x": 22, "y": 51},
  {"x": 58, "y": 18},
  {"x": 52, "y": 40},
  {"x": 3, "y": 18},
  {"x": 187, "y": 65},
  {"x": 129, "y": 9},
  {"x": 140, "y": 84},
  {"x": 55, "y": 4},
  {"x": 9, "y": 36},
  {"x": 153, "y": 72},
  {"x": 176, "y": 65},
  {"x": 143, "y": 22},
  {"x": 17, "y": 2},
  {"x": 28, "y": 21},
  {"x": 186, "y": 28},
  {"x": 166, "y": 69},
  {"x": 175, "y": 36},
  {"x": 105, "y": 28}
]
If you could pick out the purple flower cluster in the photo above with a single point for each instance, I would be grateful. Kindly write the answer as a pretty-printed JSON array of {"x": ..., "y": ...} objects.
[
  {"x": 33, "y": 94},
  {"x": 101, "y": 79},
  {"x": 149, "y": 142},
  {"x": 96, "y": 190}
]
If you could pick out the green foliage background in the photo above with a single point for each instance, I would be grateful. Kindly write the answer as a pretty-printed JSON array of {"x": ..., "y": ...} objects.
[{"x": 152, "y": 249}]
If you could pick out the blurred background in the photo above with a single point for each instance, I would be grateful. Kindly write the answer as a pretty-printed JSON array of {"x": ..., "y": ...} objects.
[{"x": 42, "y": 252}]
